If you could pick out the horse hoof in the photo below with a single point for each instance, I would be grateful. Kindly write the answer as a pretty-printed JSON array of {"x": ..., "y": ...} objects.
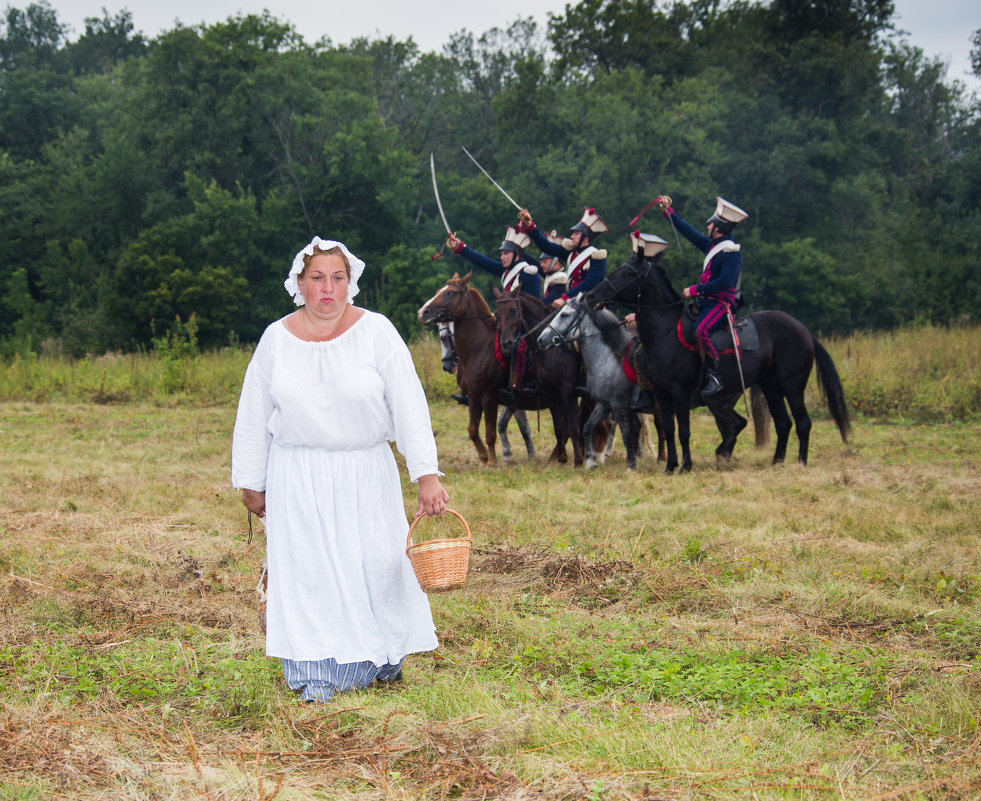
[{"x": 591, "y": 463}]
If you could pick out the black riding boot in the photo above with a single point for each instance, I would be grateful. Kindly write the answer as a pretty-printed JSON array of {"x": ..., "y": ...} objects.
[{"x": 713, "y": 382}]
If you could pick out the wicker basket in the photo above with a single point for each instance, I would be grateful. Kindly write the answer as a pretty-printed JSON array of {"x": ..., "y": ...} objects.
[{"x": 440, "y": 565}]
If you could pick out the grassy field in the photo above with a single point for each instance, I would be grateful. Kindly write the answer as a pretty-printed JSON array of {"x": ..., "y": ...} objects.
[{"x": 741, "y": 632}]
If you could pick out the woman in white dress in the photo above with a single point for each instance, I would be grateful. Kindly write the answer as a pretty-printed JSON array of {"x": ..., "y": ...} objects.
[{"x": 328, "y": 387}]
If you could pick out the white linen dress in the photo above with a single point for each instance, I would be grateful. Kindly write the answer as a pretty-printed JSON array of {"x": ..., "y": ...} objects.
[{"x": 313, "y": 429}]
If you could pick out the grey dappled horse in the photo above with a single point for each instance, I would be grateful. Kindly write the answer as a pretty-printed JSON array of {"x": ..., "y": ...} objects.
[{"x": 602, "y": 341}]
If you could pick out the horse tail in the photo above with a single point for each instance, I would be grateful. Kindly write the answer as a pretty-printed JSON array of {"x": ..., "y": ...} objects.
[
  {"x": 834, "y": 392},
  {"x": 761, "y": 416}
]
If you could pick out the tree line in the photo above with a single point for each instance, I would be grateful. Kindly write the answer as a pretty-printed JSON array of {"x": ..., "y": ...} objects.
[{"x": 148, "y": 182}]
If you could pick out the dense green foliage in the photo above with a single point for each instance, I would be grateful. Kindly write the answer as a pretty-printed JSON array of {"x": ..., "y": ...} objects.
[{"x": 146, "y": 181}]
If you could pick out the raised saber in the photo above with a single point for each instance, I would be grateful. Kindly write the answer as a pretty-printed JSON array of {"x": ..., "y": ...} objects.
[
  {"x": 432, "y": 169},
  {"x": 500, "y": 188}
]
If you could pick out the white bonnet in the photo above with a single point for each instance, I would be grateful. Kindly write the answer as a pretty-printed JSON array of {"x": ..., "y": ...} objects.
[{"x": 357, "y": 267}]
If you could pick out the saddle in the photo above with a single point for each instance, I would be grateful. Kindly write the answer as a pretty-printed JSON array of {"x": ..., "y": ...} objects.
[
  {"x": 749, "y": 337},
  {"x": 632, "y": 360}
]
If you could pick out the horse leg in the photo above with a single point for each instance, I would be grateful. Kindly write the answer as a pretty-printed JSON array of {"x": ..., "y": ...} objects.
[
  {"x": 490, "y": 430},
  {"x": 681, "y": 400},
  {"x": 730, "y": 423},
  {"x": 473, "y": 428},
  {"x": 629, "y": 423},
  {"x": 602, "y": 438},
  {"x": 781, "y": 420},
  {"x": 502, "y": 431},
  {"x": 802, "y": 422},
  {"x": 666, "y": 404},
  {"x": 611, "y": 438},
  {"x": 522, "y": 420},
  {"x": 662, "y": 455},
  {"x": 598, "y": 413},
  {"x": 572, "y": 427}
]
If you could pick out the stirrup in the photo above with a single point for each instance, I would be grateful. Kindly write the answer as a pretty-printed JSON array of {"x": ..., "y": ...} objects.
[{"x": 712, "y": 385}]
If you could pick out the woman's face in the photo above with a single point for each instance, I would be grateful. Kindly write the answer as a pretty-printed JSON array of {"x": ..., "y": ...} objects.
[{"x": 324, "y": 286}]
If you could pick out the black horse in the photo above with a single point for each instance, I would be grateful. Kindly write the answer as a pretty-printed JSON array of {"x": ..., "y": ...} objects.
[
  {"x": 780, "y": 366},
  {"x": 554, "y": 372}
]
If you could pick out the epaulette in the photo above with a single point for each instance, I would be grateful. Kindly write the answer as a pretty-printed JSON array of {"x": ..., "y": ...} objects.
[
  {"x": 598, "y": 254},
  {"x": 567, "y": 244}
]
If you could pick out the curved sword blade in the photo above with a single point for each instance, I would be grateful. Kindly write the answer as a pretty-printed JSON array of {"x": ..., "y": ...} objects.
[
  {"x": 432, "y": 169},
  {"x": 513, "y": 201}
]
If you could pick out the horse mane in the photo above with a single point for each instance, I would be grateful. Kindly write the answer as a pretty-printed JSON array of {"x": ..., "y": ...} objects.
[
  {"x": 664, "y": 281},
  {"x": 612, "y": 331},
  {"x": 476, "y": 299},
  {"x": 538, "y": 307}
]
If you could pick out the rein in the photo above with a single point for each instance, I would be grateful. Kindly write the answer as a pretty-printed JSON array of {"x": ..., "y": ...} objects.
[
  {"x": 638, "y": 274},
  {"x": 449, "y": 313},
  {"x": 521, "y": 319}
]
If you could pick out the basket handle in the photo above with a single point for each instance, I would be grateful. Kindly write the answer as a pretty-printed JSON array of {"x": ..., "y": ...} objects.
[{"x": 466, "y": 525}]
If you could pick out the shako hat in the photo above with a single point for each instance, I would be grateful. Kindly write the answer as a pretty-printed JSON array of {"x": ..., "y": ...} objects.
[
  {"x": 648, "y": 244},
  {"x": 553, "y": 237},
  {"x": 726, "y": 216},
  {"x": 591, "y": 222},
  {"x": 514, "y": 240}
]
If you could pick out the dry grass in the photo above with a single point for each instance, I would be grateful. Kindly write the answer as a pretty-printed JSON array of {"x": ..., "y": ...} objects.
[{"x": 131, "y": 661}]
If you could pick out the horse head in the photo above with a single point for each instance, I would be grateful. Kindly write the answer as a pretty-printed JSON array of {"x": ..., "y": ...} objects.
[
  {"x": 518, "y": 313},
  {"x": 448, "y": 347},
  {"x": 510, "y": 320},
  {"x": 565, "y": 325},
  {"x": 639, "y": 282},
  {"x": 449, "y": 304}
]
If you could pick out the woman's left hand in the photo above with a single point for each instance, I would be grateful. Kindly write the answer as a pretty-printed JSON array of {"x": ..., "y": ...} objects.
[{"x": 432, "y": 497}]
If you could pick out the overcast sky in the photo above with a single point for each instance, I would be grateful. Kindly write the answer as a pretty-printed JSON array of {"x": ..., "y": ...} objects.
[{"x": 941, "y": 27}]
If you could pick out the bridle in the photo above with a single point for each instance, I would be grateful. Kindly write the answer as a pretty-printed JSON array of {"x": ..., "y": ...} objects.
[
  {"x": 638, "y": 274},
  {"x": 566, "y": 338},
  {"x": 520, "y": 333},
  {"x": 453, "y": 312}
]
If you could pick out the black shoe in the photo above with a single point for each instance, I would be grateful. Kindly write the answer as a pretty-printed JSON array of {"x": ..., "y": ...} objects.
[
  {"x": 713, "y": 383},
  {"x": 460, "y": 398},
  {"x": 644, "y": 402}
]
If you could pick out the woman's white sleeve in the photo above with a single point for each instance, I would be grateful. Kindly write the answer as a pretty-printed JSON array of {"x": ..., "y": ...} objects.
[
  {"x": 251, "y": 437},
  {"x": 407, "y": 404}
]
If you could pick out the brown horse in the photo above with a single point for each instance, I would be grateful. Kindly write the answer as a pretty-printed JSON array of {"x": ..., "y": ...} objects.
[
  {"x": 479, "y": 374},
  {"x": 554, "y": 372}
]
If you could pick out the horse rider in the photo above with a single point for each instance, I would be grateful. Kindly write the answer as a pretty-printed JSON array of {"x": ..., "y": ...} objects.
[
  {"x": 717, "y": 289},
  {"x": 651, "y": 247},
  {"x": 585, "y": 263},
  {"x": 554, "y": 278},
  {"x": 514, "y": 267}
]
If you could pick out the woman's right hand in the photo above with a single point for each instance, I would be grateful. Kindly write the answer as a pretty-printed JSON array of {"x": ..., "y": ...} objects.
[{"x": 255, "y": 502}]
